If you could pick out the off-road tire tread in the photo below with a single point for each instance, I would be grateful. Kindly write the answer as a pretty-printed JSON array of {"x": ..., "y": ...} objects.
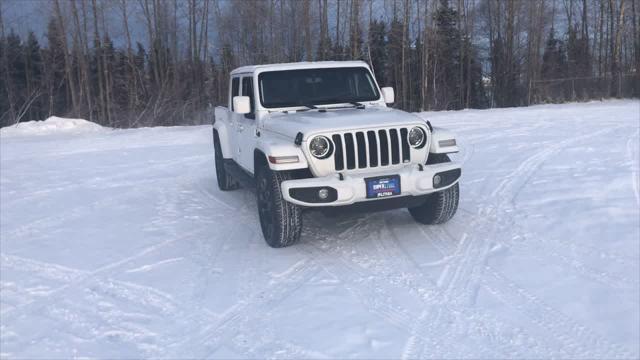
[
  {"x": 440, "y": 206},
  {"x": 287, "y": 217}
]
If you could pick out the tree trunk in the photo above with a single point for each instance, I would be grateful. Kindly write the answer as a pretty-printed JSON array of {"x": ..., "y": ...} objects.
[{"x": 67, "y": 60}]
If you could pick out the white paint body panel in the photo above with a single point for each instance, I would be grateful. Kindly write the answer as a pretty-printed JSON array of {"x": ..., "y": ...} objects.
[
  {"x": 353, "y": 188},
  {"x": 440, "y": 134},
  {"x": 273, "y": 132}
]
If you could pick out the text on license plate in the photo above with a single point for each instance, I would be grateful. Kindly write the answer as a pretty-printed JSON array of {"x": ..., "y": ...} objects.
[{"x": 383, "y": 186}]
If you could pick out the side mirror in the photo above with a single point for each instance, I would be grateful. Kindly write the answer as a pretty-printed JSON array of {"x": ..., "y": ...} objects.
[
  {"x": 388, "y": 95},
  {"x": 241, "y": 105}
]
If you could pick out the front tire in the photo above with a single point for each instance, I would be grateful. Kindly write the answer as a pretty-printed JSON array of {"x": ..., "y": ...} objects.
[
  {"x": 281, "y": 221},
  {"x": 440, "y": 206},
  {"x": 225, "y": 181}
]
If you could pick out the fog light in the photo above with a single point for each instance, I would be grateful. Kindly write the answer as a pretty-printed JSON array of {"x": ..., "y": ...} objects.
[
  {"x": 436, "y": 180},
  {"x": 323, "y": 194}
]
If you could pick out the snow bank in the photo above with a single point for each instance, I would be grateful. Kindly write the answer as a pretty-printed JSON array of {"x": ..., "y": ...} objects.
[{"x": 53, "y": 125}]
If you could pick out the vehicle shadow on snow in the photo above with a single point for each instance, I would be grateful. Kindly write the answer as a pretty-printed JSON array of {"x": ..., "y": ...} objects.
[
  {"x": 325, "y": 227},
  {"x": 356, "y": 227}
]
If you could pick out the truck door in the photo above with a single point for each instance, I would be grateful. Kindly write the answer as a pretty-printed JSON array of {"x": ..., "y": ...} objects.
[{"x": 246, "y": 128}]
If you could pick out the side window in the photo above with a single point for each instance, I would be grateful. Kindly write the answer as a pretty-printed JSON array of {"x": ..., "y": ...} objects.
[
  {"x": 247, "y": 90},
  {"x": 235, "y": 88}
]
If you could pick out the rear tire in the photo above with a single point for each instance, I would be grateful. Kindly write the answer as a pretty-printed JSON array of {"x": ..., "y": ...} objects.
[
  {"x": 225, "y": 181},
  {"x": 439, "y": 206},
  {"x": 281, "y": 221}
]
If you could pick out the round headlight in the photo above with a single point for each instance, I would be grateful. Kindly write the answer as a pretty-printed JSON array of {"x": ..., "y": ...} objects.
[
  {"x": 320, "y": 147},
  {"x": 417, "y": 137}
]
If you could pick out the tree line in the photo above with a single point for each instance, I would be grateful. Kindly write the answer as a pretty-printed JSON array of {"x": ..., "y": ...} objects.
[{"x": 129, "y": 63}]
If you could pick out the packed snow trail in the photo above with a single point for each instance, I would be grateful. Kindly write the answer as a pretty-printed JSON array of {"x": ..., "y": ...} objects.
[{"x": 118, "y": 244}]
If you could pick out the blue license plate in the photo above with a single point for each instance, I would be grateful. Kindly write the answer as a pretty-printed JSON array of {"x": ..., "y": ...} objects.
[{"x": 383, "y": 186}]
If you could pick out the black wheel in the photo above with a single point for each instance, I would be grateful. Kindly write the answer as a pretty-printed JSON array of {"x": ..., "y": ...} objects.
[
  {"x": 280, "y": 220},
  {"x": 225, "y": 181},
  {"x": 439, "y": 206}
]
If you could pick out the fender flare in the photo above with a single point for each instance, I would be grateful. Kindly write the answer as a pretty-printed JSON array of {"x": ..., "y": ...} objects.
[
  {"x": 438, "y": 135},
  {"x": 223, "y": 135},
  {"x": 272, "y": 146}
]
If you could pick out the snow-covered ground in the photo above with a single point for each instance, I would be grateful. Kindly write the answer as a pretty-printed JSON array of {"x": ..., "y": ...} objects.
[{"x": 117, "y": 243}]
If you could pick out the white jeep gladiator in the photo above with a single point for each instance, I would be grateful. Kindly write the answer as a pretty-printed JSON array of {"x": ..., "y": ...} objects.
[{"x": 319, "y": 135}]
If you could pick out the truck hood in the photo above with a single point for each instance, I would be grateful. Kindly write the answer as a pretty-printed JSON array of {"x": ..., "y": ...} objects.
[{"x": 313, "y": 121}]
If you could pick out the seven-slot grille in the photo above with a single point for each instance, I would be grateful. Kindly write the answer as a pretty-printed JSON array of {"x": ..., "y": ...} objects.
[{"x": 371, "y": 148}]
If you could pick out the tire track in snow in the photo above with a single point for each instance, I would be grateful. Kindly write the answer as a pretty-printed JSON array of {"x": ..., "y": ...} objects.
[
  {"x": 499, "y": 334},
  {"x": 413, "y": 281},
  {"x": 561, "y": 333},
  {"x": 260, "y": 339},
  {"x": 85, "y": 277},
  {"x": 143, "y": 167},
  {"x": 362, "y": 285},
  {"x": 212, "y": 337},
  {"x": 78, "y": 212},
  {"x": 252, "y": 255},
  {"x": 98, "y": 320},
  {"x": 410, "y": 278},
  {"x": 564, "y": 328},
  {"x": 561, "y": 327},
  {"x": 502, "y": 193},
  {"x": 382, "y": 303},
  {"x": 505, "y": 200},
  {"x": 467, "y": 277},
  {"x": 508, "y": 185},
  {"x": 507, "y": 206},
  {"x": 98, "y": 286},
  {"x": 236, "y": 318},
  {"x": 452, "y": 283}
]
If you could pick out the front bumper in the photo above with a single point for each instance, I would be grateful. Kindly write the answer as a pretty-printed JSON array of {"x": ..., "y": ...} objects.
[{"x": 414, "y": 181}]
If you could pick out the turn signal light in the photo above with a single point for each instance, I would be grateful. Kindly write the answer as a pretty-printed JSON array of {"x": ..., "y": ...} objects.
[{"x": 283, "y": 159}]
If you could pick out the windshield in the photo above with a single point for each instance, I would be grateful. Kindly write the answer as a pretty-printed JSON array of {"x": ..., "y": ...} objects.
[{"x": 316, "y": 87}]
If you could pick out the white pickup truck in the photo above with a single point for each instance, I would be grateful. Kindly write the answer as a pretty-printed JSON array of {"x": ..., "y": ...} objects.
[{"x": 319, "y": 135}]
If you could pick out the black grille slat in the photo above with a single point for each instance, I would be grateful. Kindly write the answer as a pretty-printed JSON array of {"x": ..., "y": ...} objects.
[
  {"x": 395, "y": 147},
  {"x": 349, "y": 148},
  {"x": 406, "y": 155},
  {"x": 384, "y": 148},
  {"x": 338, "y": 156},
  {"x": 362, "y": 150},
  {"x": 373, "y": 148}
]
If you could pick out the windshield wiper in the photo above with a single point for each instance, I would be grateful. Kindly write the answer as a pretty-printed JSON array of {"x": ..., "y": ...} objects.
[
  {"x": 356, "y": 104},
  {"x": 308, "y": 106}
]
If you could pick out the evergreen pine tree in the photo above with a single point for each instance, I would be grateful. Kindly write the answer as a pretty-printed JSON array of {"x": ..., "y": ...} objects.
[
  {"x": 58, "y": 97},
  {"x": 447, "y": 56},
  {"x": 33, "y": 78},
  {"x": 378, "y": 49},
  {"x": 554, "y": 67}
]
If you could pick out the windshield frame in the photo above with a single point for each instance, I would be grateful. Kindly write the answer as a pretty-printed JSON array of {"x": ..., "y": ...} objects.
[{"x": 375, "y": 98}]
